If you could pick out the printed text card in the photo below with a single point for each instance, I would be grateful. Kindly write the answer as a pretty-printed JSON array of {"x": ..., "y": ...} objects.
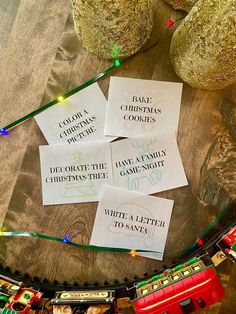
[
  {"x": 79, "y": 117},
  {"x": 132, "y": 220},
  {"x": 148, "y": 163},
  {"x": 139, "y": 106},
  {"x": 74, "y": 173}
]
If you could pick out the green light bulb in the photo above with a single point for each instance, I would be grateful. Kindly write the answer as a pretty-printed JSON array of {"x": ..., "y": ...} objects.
[{"x": 117, "y": 63}]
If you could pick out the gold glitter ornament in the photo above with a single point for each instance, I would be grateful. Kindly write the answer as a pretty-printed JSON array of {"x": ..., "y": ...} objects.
[
  {"x": 185, "y": 5},
  {"x": 203, "y": 48},
  {"x": 111, "y": 27}
]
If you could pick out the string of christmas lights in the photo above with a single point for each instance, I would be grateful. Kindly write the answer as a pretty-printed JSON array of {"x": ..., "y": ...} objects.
[
  {"x": 68, "y": 241},
  {"x": 4, "y": 130},
  {"x": 199, "y": 241},
  {"x": 133, "y": 252},
  {"x": 115, "y": 54}
]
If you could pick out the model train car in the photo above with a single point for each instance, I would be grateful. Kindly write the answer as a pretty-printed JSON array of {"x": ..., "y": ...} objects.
[
  {"x": 21, "y": 303},
  {"x": 8, "y": 288},
  {"x": 83, "y": 301},
  {"x": 14, "y": 298},
  {"x": 228, "y": 244},
  {"x": 184, "y": 289}
]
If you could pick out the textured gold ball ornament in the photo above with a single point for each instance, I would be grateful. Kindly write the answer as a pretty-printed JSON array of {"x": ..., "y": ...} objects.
[
  {"x": 185, "y": 5},
  {"x": 203, "y": 48},
  {"x": 110, "y": 27}
]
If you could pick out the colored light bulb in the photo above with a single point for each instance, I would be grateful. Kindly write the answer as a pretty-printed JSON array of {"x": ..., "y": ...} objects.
[
  {"x": 60, "y": 98},
  {"x": 117, "y": 63},
  {"x": 133, "y": 253},
  {"x": 4, "y": 132},
  {"x": 66, "y": 239},
  {"x": 199, "y": 242},
  {"x": 170, "y": 22}
]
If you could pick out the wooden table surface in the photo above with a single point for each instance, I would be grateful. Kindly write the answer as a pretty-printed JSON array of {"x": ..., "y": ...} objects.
[{"x": 40, "y": 58}]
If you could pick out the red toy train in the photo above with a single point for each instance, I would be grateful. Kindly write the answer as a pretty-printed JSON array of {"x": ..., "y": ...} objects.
[
  {"x": 14, "y": 298},
  {"x": 8, "y": 288},
  {"x": 184, "y": 289},
  {"x": 228, "y": 244}
]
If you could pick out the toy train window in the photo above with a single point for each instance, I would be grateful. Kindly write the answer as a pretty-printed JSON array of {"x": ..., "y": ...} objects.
[
  {"x": 178, "y": 273},
  {"x": 196, "y": 267},
  {"x": 144, "y": 291},
  {"x": 186, "y": 272},
  {"x": 165, "y": 282},
  {"x": 176, "y": 277}
]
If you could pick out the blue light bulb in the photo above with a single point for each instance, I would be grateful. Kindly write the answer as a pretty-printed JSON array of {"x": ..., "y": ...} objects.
[
  {"x": 66, "y": 239},
  {"x": 4, "y": 132}
]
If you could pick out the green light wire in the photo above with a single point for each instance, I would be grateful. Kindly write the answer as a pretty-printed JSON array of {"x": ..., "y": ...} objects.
[
  {"x": 116, "y": 64},
  {"x": 109, "y": 249},
  {"x": 77, "y": 245},
  {"x": 115, "y": 54},
  {"x": 209, "y": 228}
]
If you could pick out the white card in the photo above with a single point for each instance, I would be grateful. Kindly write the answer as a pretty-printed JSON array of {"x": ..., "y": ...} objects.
[
  {"x": 132, "y": 220},
  {"x": 139, "y": 106},
  {"x": 74, "y": 173},
  {"x": 148, "y": 163},
  {"x": 79, "y": 117}
]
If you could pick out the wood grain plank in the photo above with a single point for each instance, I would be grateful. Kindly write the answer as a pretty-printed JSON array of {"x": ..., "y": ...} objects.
[
  {"x": 201, "y": 124},
  {"x": 8, "y": 11},
  {"x": 152, "y": 63},
  {"x": 31, "y": 49}
]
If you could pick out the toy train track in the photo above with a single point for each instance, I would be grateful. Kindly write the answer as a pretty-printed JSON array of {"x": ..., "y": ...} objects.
[
  {"x": 178, "y": 282},
  {"x": 208, "y": 243}
]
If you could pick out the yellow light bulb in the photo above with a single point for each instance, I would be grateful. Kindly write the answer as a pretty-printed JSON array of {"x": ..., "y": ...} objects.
[
  {"x": 133, "y": 253},
  {"x": 60, "y": 98}
]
